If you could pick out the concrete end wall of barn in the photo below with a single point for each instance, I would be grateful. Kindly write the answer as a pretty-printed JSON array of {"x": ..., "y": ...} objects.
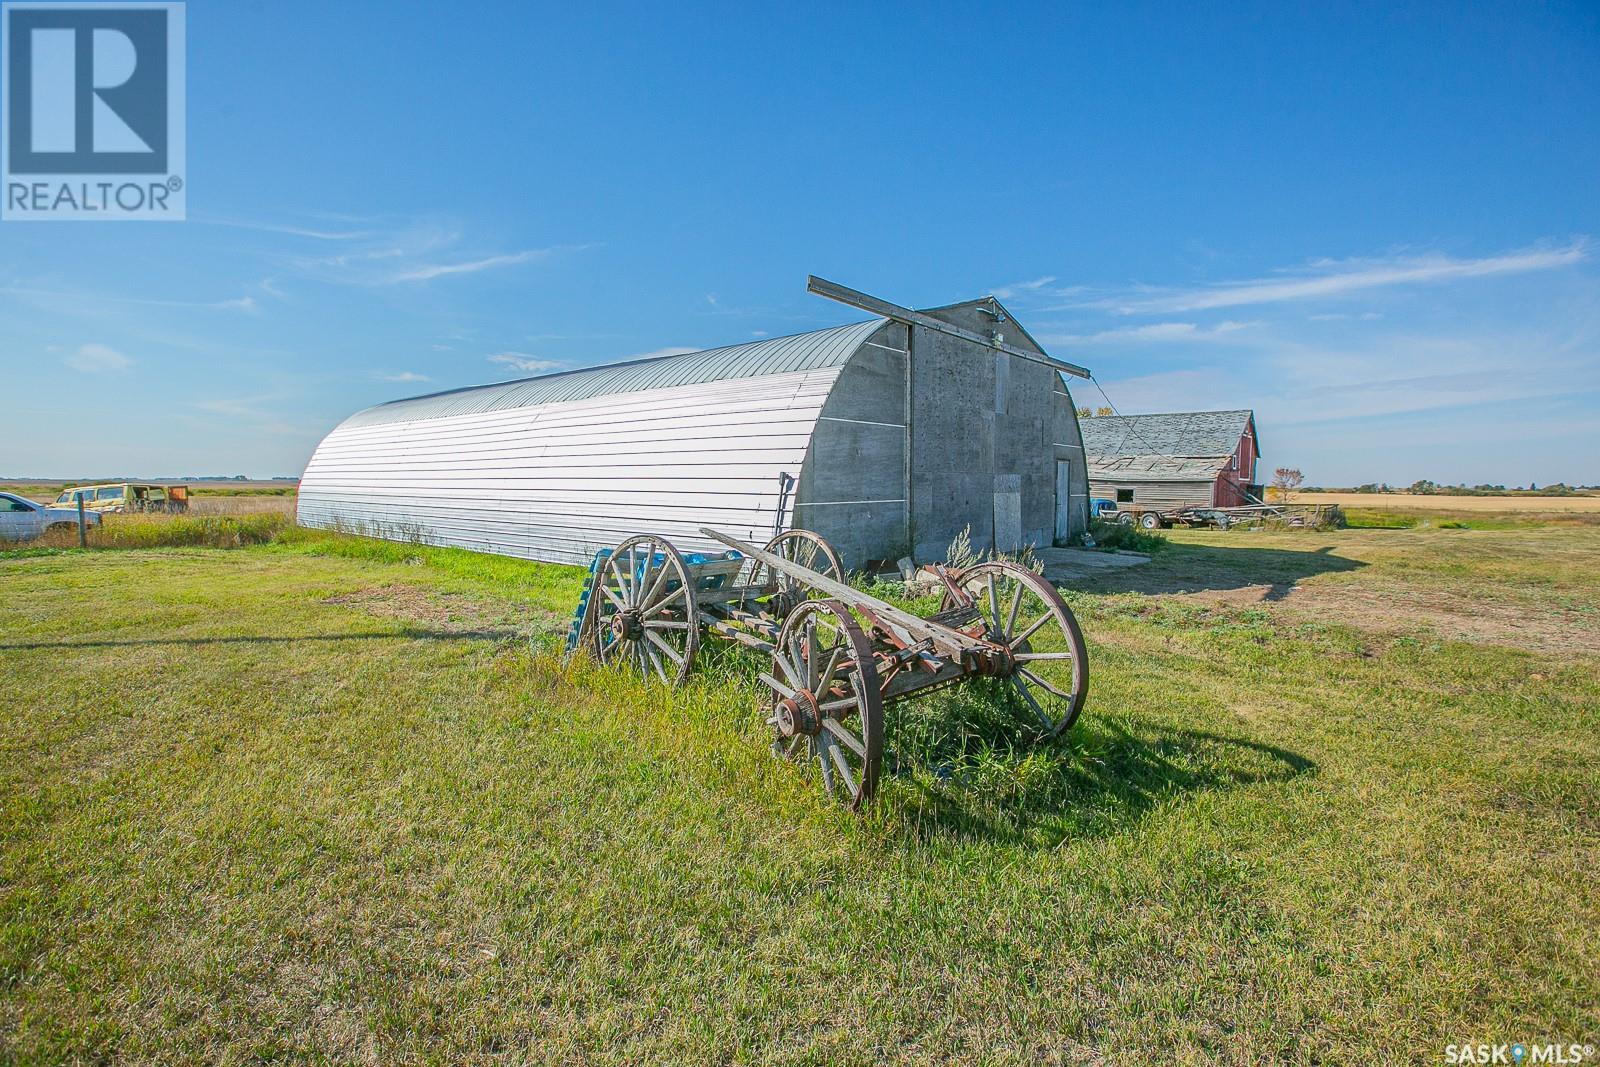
[
  {"x": 992, "y": 436},
  {"x": 988, "y": 430},
  {"x": 852, "y": 490}
]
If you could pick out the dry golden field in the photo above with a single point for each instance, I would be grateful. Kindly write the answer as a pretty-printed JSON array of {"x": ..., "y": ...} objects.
[
  {"x": 1411, "y": 502},
  {"x": 209, "y": 498}
]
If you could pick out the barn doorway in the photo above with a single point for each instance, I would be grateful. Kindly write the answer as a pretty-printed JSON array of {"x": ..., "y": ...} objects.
[{"x": 1063, "y": 501}]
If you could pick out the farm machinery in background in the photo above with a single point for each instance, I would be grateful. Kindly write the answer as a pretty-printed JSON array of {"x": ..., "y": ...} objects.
[
  {"x": 115, "y": 498},
  {"x": 1154, "y": 518}
]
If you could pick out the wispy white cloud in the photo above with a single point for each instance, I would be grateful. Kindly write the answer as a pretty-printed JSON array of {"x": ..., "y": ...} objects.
[
  {"x": 1339, "y": 316},
  {"x": 1155, "y": 332},
  {"x": 429, "y": 271},
  {"x": 658, "y": 353},
  {"x": 411, "y": 255},
  {"x": 288, "y": 229},
  {"x": 96, "y": 358},
  {"x": 1332, "y": 278},
  {"x": 531, "y": 364},
  {"x": 1190, "y": 389},
  {"x": 402, "y": 376},
  {"x": 524, "y": 362},
  {"x": 87, "y": 302},
  {"x": 1391, "y": 375},
  {"x": 716, "y": 306},
  {"x": 1007, "y": 292},
  {"x": 260, "y": 414}
]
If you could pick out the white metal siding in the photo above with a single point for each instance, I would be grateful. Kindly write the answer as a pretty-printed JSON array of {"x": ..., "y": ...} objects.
[{"x": 559, "y": 481}]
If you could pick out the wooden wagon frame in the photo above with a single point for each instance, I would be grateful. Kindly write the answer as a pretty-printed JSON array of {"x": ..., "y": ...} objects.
[{"x": 838, "y": 655}]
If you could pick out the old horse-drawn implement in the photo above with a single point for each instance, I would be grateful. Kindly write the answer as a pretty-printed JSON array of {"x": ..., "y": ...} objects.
[{"x": 838, "y": 655}]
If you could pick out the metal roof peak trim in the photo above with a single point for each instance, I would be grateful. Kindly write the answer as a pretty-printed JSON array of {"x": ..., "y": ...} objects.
[{"x": 816, "y": 350}]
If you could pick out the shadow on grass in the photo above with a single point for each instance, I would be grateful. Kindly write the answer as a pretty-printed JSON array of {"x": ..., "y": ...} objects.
[
  {"x": 407, "y": 634},
  {"x": 969, "y": 763},
  {"x": 1189, "y": 568}
]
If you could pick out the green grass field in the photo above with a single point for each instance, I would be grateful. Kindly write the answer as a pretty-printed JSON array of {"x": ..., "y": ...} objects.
[{"x": 1333, "y": 799}]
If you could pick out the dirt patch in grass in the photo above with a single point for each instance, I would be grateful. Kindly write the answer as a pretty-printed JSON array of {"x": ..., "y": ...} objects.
[
  {"x": 453, "y": 613},
  {"x": 1455, "y": 616}
]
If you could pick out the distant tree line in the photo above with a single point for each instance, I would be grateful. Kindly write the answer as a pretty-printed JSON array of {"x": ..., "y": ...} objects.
[{"x": 1426, "y": 487}]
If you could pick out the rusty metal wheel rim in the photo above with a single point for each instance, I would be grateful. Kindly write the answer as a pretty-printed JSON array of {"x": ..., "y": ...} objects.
[
  {"x": 1050, "y": 675},
  {"x": 822, "y": 663},
  {"x": 809, "y": 550},
  {"x": 647, "y": 615}
]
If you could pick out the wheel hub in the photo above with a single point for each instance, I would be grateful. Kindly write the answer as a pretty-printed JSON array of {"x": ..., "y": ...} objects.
[
  {"x": 995, "y": 661},
  {"x": 627, "y": 625},
  {"x": 799, "y": 715},
  {"x": 784, "y": 602}
]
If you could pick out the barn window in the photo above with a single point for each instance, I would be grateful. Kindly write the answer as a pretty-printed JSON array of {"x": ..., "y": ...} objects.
[
  {"x": 1233, "y": 462},
  {"x": 1124, "y": 496},
  {"x": 1002, "y": 381}
]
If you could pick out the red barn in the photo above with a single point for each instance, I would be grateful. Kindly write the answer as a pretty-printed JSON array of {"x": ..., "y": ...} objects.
[{"x": 1177, "y": 459}]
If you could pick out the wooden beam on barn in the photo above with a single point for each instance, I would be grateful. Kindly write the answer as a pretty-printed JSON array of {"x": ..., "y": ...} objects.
[{"x": 855, "y": 298}]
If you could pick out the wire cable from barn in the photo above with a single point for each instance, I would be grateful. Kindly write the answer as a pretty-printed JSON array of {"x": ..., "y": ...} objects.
[{"x": 1127, "y": 426}]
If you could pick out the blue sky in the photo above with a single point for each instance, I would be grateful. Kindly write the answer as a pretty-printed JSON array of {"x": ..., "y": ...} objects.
[{"x": 1375, "y": 224}]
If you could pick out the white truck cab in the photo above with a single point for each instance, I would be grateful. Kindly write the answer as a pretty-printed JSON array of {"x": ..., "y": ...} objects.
[{"x": 23, "y": 520}]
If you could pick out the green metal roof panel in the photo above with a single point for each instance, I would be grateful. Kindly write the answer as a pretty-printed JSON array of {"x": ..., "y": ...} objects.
[{"x": 774, "y": 355}]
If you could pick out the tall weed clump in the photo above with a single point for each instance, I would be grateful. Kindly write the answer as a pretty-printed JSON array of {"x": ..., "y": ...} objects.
[
  {"x": 187, "y": 531},
  {"x": 961, "y": 554},
  {"x": 1125, "y": 535}
]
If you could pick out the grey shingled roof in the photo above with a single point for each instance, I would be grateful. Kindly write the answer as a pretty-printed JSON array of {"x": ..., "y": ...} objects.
[
  {"x": 1176, "y": 446},
  {"x": 816, "y": 350},
  {"x": 1177, "y": 434},
  {"x": 1156, "y": 468}
]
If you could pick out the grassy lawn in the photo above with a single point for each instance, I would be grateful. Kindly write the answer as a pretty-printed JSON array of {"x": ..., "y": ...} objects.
[{"x": 1333, "y": 798}]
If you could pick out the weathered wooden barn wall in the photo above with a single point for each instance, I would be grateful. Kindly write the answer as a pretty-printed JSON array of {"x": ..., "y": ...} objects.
[
  {"x": 1234, "y": 481},
  {"x": 1158, "y": 494},
  {"x": 1173, "y": 459}
]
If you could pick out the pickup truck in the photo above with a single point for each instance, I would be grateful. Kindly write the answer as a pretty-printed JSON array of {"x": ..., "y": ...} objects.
[
  {"x": 23, "y": 520},
  {"x": 119, "y": 497},
  {"x": 1102, "y": 508}
]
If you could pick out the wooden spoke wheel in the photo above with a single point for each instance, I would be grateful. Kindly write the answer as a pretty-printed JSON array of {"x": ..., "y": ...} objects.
[
  {"x": 1019, "y": 609},
  {"x": 807, "y": 549},
  {"x": 826, "y": 706},
  {"x": 645, "y": 616}
]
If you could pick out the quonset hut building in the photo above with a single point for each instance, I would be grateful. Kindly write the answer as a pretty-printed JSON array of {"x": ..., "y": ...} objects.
[{"x": 887, "y": 437}]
